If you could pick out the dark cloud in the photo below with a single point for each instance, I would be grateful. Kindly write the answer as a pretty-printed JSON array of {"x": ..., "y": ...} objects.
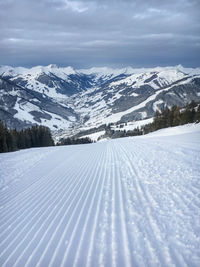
[{"x": 86, "y": 33}]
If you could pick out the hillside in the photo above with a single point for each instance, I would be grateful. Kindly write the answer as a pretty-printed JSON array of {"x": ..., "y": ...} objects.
[
  {"x": 124, "y": 202},
  {"x": 65, "y": 99}
]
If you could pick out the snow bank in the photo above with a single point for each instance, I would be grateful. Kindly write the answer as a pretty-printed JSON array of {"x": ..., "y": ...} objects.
[{"x": 178, "y": 130}]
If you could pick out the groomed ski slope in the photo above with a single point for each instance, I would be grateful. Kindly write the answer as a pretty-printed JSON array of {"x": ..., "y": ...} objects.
[{"x": 125, "y": 202}]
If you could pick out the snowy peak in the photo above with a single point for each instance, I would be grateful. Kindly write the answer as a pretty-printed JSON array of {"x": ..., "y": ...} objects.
[
  {"x": 63, "y": 97},
  {"x": 102, "y": 71},
  {"x": 157, "y": 77},
  {"x": 168, "y": 73},
  {"x": 52, "y": 66},
  {"x": 37, "y": 70}
]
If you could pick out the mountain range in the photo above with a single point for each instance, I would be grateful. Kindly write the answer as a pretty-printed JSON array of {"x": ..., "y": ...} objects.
[{"x": 69, "y": 100}]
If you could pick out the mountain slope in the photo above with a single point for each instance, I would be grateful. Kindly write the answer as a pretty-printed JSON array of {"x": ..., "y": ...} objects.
[
  {"x": 21, "y": 107},
  {"x": 69, "y": 99},
  {"x": 124, "y": 202}
]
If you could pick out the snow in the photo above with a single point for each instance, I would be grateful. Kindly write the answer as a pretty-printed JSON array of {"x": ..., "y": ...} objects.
[
  {"x": 24, "y": 109},
  {"x": 165, "y": 77},
  {"x": 55, "y": 121},
  {"x": 155, "y": 105},
  {"x": 94, "y": 136},
  {"x": 92, "y": 102},
  {"x": 117, "y": 116},
  {"x": 183, "y": 129},
  {"x": 130, "y": 126},
  {"x": 170, "y": 76},
  {"x": 31, "y": 75},
  {"x": 134, "y": 94},
  {"x": 103, "y": 71},
  {"x": 124, "y": 202},
  {"x": 99, "y": 71},
  {"x": 34, "y": 71},
  {"x": 167, "y": 71}
]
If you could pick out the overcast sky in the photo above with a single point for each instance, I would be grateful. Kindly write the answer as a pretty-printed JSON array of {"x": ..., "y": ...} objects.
[{"x": 85, "y": 33}]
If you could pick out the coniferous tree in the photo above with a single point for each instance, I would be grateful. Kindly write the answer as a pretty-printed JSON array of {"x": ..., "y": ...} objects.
[
  {"x": 176, "y": 116},
  {"x": 192, "y": 105},
  {"x": 186, "y": 116},
  {"x": 36, "y": 136},
  {"x": 10, "y": 141},
  {"x": 197, "y": 115},
  {"x": 3, "y": 143}
]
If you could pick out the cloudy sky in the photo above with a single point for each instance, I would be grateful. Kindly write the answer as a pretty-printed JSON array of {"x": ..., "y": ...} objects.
[{"x": 85, "y": 33}]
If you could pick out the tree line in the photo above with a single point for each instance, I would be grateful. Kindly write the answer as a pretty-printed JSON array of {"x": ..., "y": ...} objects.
[
  {"x": 74, "y": 141},
  {"x": 40, "y": 136},
  {"x": 174, "y": 117},
  {"x": 35, "y": 136},
  {"x": 168, "y": 117}
]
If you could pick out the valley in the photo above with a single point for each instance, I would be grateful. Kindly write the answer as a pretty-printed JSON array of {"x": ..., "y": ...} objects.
[{"x": 69, "y": 101}]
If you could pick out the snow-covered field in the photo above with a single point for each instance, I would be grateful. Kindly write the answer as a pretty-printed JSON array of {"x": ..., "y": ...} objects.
[{"x": 124, "y": 202}]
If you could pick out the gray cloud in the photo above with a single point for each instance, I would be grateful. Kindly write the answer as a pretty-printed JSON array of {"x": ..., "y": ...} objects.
[{"x": 86, "y": 33}]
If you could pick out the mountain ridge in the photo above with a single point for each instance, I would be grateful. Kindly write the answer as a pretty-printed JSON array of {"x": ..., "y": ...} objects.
[{"x": 68, "y": 99}]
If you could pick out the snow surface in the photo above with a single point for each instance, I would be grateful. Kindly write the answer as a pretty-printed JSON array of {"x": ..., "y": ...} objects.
[
  {"x": 185, "y": 129},
  {"x": 125, "y": 202},
  {"x": 94, "y": 136},
  {"x": 129, "y": 126}
]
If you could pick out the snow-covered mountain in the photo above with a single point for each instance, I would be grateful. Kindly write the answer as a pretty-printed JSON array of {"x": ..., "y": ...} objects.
[{"x": 69, "y": 99}]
